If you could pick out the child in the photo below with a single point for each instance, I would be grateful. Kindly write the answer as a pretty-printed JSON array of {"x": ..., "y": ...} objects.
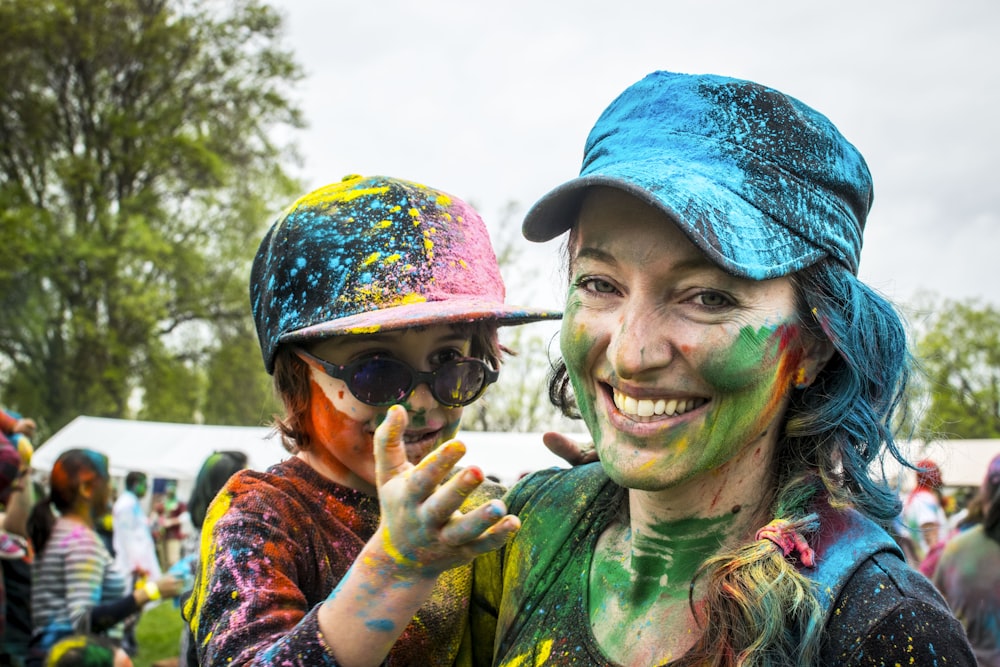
[{"x": 366, "y": 293}]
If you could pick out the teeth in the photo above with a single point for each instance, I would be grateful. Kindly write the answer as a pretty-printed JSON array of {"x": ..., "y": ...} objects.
[{"x": 645, "y": 407}]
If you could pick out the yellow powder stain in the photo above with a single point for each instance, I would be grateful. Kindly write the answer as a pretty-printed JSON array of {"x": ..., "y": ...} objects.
[
  {"x": 392, "y": 259},
  {"x": 541, "y": 658},
  {"x": 334, "y": 194},
  {"x": 429, "y": 246},
  {"x": 209, "y": 551},
  {"x": 234, "y": 595},
  {"x": 412, "y": 298},
  {"x": 375, "y": 328},
  {"x": 463, "y": 264},
  {"x": 371, "y": 258},
  {"x": 414, "y": 212},
  {"x": 443, "y": 200},
  {"x": 382, "y": 224}
]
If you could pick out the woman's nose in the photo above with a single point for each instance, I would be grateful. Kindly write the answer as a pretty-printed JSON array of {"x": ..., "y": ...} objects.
[
  {"x": 640, "y": 342},
  {"x": 422, "y": 398}
]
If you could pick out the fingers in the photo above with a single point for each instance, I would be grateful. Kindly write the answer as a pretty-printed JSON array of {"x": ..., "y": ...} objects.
[
  {"x": 483, "y": 529},
  {"x": 389, "y": 450},
  {"x": 569, "y": 450}
]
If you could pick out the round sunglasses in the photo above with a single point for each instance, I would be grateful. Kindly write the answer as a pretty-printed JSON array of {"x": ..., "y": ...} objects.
[{"x": 382, "y": 381}]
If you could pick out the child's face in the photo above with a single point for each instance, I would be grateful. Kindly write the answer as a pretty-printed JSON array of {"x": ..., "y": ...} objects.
[{"x": 342, "y": 426}]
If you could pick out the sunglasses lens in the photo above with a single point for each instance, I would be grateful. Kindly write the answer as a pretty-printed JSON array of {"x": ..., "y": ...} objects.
[
  {"x": 459, "y": 382},
  {"x": 380, "y": 381}
]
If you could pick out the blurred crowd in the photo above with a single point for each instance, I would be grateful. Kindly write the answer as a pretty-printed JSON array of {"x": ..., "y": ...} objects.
[{"x": 82, "y": 559}]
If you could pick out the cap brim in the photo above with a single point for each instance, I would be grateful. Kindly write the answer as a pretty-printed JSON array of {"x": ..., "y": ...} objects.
[
  {"x": 452, "y": 311},
  {"x": 751, "y": 245}
]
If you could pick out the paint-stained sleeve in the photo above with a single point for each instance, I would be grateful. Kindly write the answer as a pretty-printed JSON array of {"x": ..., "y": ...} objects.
[
  {"x": 890, "y": 614},
  {"x": 248, "y": 605}
]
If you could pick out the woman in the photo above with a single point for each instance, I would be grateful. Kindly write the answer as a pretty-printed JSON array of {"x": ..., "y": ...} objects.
[
  {"x": 738, "y": 382},
  {"x": 366, "y": 293},
  {"x": 75, "y": 586}
]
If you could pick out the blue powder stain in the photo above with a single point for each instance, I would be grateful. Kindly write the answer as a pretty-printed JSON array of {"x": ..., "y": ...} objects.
[{"x": 381, "y": 625}]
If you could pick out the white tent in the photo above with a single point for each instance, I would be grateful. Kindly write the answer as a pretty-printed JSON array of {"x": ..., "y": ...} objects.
[{"x": 177, "y": 451}]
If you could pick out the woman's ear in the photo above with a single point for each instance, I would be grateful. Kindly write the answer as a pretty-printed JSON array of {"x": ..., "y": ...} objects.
[{"x": 817, "y": 353}]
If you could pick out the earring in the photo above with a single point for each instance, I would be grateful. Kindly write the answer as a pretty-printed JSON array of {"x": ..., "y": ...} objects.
[{"x": 801, "y": 381}]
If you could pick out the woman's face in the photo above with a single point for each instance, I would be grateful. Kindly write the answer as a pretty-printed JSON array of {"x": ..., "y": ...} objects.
[
  {"x": 342, "y": 426},
  {"x": 677, "y": 366}
]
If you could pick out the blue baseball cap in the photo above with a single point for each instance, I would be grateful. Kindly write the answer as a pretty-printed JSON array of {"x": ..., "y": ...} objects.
[{"x": 763, "y": 184}]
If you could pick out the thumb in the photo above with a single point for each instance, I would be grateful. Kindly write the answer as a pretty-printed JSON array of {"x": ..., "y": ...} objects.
[
  {"x": 568, "y": 449},
  {"x": 389, "y": 450}
]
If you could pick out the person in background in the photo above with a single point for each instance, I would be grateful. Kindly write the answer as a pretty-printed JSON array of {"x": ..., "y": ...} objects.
[
  {"x": 169, "y": 512},
  {"x": 367, "y": 293},
  {"x": 17, "y": 497},
  {"x": 923, "y": 511},
  {"x": 968, "y": 573},
  {"x": 739, "y": 383},
  {"x": 134, "y": 551},
  {"x": 87, "y": 651},
  {"x": 212, "y": 477},
  {"x": 75, "y": 586}
]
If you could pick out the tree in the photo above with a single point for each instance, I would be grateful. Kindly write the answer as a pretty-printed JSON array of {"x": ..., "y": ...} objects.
[
  {"x": 136, "y": 159},
  {"x": 519, "y": 401},
  {"x": 959, "y": 351}
]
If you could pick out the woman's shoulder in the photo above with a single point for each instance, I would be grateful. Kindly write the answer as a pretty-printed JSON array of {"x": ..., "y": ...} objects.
[
  {"x": 887, "y": 609},
  {"x": 558, "y": 486}
]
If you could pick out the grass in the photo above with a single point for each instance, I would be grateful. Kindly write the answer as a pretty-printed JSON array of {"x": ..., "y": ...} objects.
[{"x": 158, "y": 634}]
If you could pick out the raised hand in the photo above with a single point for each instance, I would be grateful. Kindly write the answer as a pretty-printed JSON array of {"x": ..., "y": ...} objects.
[{"x": 421, "y": 528}]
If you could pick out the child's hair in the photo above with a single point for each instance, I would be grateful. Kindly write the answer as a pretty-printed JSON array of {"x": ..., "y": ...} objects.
[
  {"x": 82, "y": 651},
  {"x": 73, "y": 469},
  {"x": 291, "y": 380}
]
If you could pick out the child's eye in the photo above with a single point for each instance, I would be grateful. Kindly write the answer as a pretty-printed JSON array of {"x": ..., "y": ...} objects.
[{"x": 444, "y": 356}]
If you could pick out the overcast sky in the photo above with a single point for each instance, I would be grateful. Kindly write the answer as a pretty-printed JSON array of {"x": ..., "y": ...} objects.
[{"x": 493, "y": 101}]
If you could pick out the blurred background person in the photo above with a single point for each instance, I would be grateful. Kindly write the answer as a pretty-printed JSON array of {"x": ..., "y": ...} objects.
[
  {"x": 213, "y": 475},
  {"x": 134, "y": 551},
  {"x": 968, "y": 574},
  {"x": 87, "y": 651},
  {"x": 923, "y": 510},
  {"x": 76, "y": 587}
]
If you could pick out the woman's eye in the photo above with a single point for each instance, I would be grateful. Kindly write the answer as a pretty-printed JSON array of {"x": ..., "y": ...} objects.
[
  {"x": 596, "y": 285},
  {"x": 713, "y": 299}
]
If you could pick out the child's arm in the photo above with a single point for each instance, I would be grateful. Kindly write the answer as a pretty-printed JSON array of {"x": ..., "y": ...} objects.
[{"x": 421, "y": 535}]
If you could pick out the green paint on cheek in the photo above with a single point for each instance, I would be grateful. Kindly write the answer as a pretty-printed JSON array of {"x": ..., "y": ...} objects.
[
  {"x": 575, "y": 345},
  {"x": 744, "y": 361}
]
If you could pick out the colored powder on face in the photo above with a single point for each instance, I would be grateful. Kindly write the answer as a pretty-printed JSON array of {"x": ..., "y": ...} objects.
[{"x": 334, "y": 434}]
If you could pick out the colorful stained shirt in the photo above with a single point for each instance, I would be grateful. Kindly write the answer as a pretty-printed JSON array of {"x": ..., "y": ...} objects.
[
  {"x": 968, "y": 575},
  {"x": 884, "y": 614},
  {"x": 274, "y": 546}
]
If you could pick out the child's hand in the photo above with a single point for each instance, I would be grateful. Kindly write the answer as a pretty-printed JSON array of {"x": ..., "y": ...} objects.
[
  {"x": 421, "y": 526},
  {"x": 570, "y": 450}
]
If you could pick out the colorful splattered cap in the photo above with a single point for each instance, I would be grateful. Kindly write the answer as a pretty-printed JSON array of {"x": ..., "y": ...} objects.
[
  {"x": 373, "y": 254},
  {"x": 761, "y": 183}
]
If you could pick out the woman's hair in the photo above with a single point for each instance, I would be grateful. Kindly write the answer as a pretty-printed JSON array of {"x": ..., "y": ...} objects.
[
  {"x": 291, "y": 380},
  {"x": 82, "y": 651},
  {"x": 758, "y": 609},
  {"x": 214, "y": 473},
  {"x": 70, "y": 472}
]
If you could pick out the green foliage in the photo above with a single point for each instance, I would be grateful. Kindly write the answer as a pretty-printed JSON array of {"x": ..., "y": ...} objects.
[
  {"x": 135, "y": 163},
  {"x": 959, "y": 349}
]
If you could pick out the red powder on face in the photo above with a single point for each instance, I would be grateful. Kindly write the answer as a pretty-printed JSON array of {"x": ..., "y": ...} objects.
[{"x": 338, "y": 441}]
